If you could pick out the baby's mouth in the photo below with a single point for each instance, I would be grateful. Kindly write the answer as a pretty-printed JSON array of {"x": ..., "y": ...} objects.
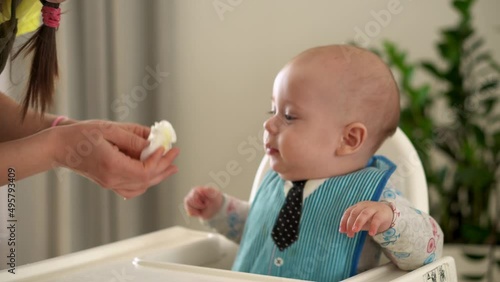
[{"x": 271, "y": 151}]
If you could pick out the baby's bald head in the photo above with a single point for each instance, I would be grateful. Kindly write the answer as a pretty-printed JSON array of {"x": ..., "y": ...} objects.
[{"x": 357, "y": 83}]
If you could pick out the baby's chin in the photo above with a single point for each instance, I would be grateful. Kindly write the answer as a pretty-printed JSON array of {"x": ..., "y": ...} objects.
[
  {"x": 288, "y": 177},
  {"x": 287, "y": 174},
  {"x": 278, "y": 168}
]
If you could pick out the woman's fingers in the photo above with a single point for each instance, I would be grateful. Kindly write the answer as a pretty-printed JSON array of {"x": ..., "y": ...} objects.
[{"x": 125, "y": 140}]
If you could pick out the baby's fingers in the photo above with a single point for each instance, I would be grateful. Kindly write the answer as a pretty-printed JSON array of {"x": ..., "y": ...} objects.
[
  {"x": 381, "y": 219},
  {"x": 195, "y": 200},
  {"x": 363, "y": 219},
  {"x": 375, "y": 224},
  {"x": 191, "y": 211},
  {"x": 343, "y": 221},
  {"x": 209, "y": 193},
  {"x": 188, "y": 206},
  {"x": 348, "y": 219}
]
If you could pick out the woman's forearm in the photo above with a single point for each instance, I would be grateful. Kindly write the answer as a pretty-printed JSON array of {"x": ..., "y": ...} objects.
[
  {"x": 28, "y": 156},
  {"x": 12, "y": 126}
]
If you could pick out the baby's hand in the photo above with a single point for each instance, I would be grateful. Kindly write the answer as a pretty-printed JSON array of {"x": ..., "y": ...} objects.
[
  {"x": 374, "y": 217},
  {"x": 203, "y": 202}
]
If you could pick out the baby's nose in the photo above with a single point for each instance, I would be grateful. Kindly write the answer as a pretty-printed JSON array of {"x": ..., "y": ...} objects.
[{"x": 272, "y": 124}]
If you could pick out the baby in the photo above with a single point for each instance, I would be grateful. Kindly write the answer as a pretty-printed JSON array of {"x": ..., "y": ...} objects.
[{"x": 332, "y": 108}]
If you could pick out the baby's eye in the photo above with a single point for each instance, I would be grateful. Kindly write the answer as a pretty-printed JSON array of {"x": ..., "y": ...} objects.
[
  {"x": 289, "y": 117},
  {"x": 272, "y": 112}
]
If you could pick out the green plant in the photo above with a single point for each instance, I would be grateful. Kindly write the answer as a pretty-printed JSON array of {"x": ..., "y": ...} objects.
[{"x": 460, "y": 146}]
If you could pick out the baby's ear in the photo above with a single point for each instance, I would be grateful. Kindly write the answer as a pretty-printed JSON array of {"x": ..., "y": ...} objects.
[{"x": 352, "y": 139}]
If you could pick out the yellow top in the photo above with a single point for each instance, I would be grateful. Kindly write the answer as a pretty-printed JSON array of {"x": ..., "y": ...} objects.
[{"x": 28, "y": 14}]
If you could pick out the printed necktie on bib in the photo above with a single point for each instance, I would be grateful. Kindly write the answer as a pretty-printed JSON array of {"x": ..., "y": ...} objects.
[{"x": 286, "y": 228}]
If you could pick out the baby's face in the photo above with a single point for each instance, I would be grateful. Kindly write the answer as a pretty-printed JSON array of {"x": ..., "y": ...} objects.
[
  {"x": 324, "y": 120},
  {"x": 305, "y": 127}
]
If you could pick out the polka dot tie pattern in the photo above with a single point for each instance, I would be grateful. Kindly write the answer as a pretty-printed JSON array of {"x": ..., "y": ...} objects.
[{"x": 286, "y": 229}]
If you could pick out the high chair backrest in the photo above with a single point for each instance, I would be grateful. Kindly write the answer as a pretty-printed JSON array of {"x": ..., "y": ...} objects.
[{"x": 409, "y": 177}]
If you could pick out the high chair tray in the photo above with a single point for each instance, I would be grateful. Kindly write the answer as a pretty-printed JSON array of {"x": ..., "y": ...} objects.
[{"x": 181, "y": 254}]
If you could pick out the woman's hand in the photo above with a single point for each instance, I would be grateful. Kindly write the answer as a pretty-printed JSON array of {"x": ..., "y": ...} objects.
[{"x": 108, "y": 153}]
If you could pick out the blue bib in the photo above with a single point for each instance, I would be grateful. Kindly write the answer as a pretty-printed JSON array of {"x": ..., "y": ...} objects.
[{"x": 321, "y": 252}]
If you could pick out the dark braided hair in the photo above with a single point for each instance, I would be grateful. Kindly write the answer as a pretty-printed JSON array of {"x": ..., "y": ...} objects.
[{"x": 44, "y": 68}]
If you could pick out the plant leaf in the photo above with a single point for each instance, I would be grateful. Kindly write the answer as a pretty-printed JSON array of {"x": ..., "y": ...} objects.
[
  {"x": 463, "y": 6},
  {"x": 449, "y": 50},
  {"x": 489, "y": 104},
  {"x": 475, "y": 256},
  {"x": 422, "y": 94},
  {"x": 473, "y": 47},
  {"x": 494, "y": 65},
  {"x": 473, "y": 177},
  {"x": 472, "y": 277},
  {"x": 473, "y": 233},
  {"x": 479, "y": 134},
  {"x": 492, "y": 84},
  {"x": 484, "y": 57},
  {"x": 432, "y": 69},
  {"x": 496, "y": 141}
]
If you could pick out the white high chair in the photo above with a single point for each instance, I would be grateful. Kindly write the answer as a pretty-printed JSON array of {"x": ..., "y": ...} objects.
[{"x": 181, "y": 254}]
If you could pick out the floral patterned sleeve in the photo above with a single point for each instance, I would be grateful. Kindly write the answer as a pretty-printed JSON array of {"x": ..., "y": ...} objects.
[
  {"x": 231, "y": 218},
  {"x": 414, "y": 239}
]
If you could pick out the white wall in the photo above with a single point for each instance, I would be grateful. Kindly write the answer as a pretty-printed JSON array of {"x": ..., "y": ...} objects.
[{"x": 222, "y": 65}]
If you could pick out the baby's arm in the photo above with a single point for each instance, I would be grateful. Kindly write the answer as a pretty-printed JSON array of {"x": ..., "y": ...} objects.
[
  {"x": 222, "y": 212},
  {"x": 408, "y": 237},
  {"x": 414, "y": 239}
]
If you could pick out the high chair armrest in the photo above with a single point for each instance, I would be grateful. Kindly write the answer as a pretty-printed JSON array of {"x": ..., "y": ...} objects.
[{"x": 443, "y": 269}]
